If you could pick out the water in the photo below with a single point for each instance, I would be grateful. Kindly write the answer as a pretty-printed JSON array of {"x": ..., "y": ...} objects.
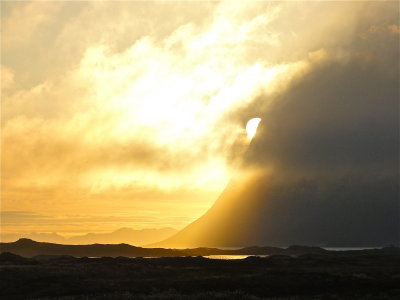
[
  {"x": 349, "y": 248},
  {"x": 231, "y": 256},
  {"x": 323, "y": 247}
]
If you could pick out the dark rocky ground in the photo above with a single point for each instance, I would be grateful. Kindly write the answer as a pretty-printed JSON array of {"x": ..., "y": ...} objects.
[{"x": 347, "y": 275}]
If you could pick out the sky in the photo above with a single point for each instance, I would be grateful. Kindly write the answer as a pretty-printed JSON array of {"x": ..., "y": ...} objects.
[{"x": 133, "y": 114}]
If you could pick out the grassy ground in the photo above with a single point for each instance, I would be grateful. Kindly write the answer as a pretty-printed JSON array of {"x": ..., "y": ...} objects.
[{"x": 275, "y": 277}]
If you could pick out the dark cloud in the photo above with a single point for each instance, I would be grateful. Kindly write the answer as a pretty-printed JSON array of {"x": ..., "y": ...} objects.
[{"x": 340, "y": 116}]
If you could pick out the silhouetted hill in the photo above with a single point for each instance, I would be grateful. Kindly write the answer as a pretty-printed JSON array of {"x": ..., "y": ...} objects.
[
  {"x": 29, "y": 248},
  {"x": 46, "y": 251},
  {"x": 7, "y": 258},
  {"x": 121, "y": 235},
  {"x": 124, "y": 235}
]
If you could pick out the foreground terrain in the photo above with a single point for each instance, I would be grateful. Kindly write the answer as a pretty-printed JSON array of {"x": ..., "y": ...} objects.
[{"x": 339, "y": 275}]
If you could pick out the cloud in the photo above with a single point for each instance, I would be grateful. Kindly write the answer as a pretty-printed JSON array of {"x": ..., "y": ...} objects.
[
  {"x": 7, "y": 78},
  {"x": 117, "y": 98},
  {"x": 24, "y": 19},
  {"x": 70, "y": 224},
  {"x": 154, "y": 107}
]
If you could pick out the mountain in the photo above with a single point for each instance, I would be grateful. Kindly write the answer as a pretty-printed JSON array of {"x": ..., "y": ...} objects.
[
  {"x": 323, "y": 168},
  {"x": 46, "y": 251},
  {"x": 226, "y": 224},
  {"x": 37, "y": 236},
  {"x": 30, "y": 248},
  {"x": 122, "y": 235},
  {"x": 259, "y": 210}
]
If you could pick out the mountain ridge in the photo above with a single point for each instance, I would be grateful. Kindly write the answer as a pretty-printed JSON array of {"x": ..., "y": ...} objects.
[
  {"x": 118, "y": 236},
  {"x": 30, "y": 248}
]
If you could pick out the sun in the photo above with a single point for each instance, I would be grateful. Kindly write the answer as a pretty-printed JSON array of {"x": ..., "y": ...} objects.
[{"x": 251, "y": 127}]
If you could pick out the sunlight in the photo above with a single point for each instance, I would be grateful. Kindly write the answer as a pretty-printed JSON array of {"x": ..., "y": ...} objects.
[{"x": 251, "y": 127}]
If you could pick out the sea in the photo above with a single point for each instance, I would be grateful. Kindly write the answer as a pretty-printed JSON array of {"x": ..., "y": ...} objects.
[{"x": 231, "y": 256}]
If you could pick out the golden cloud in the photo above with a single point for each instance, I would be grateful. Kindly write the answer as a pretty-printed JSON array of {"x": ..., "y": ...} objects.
[{"x": 130, "y": 98}]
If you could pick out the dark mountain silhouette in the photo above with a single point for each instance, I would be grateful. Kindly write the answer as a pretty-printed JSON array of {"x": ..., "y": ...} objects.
[
  {"x": 259, "y": 210},
  {"x": 29, "y": 248},
  {"x": 48, "y": 251},
  {"x": 124, "y": 235},
  {"x": 45, "y": 251},
  {"x": 7, "y": 258},
  {"x": 121, "y": 235},
  {"x": 323, "y": 168}
]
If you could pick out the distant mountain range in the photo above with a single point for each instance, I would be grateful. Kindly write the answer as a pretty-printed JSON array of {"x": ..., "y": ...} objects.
[
  {"x": 30, "y": 248},
  {"x": 122, "y": 235}
]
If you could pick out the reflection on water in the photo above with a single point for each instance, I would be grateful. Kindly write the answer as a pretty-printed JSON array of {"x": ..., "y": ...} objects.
[
  {"x": 231, "y": 256},
  {"x": 349, "y": 248}
]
